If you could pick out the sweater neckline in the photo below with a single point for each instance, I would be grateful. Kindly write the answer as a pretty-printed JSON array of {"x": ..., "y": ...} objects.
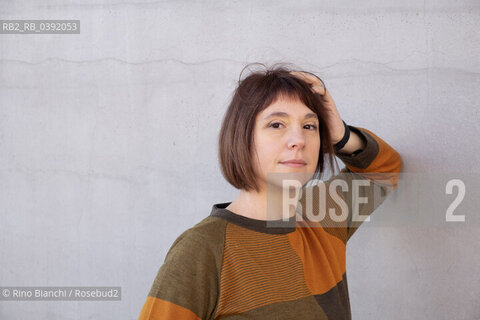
[{"x": 278, "y": 226}]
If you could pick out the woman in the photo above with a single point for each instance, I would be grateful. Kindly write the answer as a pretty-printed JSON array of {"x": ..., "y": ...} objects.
[{"x": 254, "y": 257}]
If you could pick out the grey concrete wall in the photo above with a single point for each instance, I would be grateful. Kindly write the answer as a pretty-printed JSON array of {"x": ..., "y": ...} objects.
[{"x": 108, "y": 138}]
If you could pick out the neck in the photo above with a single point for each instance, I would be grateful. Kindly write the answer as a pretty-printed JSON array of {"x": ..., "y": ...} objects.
[{"x": 271, "y": 204}]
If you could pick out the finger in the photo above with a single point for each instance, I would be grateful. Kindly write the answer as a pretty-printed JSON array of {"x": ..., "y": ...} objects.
[
  {"x": 319, "y": 89},
  {"x": 303, "y": 76},
  {"x": 311, "y": 79},
  {"x": 317, "y": 84}
]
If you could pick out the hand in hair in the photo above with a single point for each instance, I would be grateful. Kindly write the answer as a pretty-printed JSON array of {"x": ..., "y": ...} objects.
[{"x": 334, "y": 120}]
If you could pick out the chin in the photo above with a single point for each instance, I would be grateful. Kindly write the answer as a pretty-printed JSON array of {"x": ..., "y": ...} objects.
[{"x": 289, "y": 178}]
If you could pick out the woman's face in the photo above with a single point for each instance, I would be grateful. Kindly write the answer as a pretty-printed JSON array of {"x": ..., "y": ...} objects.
[{"x": 286, "y": 130}]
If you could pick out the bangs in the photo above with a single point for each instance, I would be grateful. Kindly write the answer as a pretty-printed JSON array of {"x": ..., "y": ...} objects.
[{"x": 286, "y": 87}]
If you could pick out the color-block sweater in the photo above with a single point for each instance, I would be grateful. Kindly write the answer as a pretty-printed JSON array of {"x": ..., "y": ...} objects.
[{"x": 231, "y": 267}]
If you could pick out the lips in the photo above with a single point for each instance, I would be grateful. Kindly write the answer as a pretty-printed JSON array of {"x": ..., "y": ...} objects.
[{"x": 294, "y": 161}]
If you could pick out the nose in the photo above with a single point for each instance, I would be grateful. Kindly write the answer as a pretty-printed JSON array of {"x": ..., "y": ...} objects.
[{"x": 296, "y": 138}]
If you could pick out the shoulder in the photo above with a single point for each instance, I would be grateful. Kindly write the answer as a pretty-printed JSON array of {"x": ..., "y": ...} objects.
[
  {"x": 190, "y": 274},
  {"x": 201, "y": 243}
]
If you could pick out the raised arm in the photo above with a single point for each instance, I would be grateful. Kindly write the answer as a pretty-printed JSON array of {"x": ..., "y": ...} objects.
[{"x": 370, "y": 174}]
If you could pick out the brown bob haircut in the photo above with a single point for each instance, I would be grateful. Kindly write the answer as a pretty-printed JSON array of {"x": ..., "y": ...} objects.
[{"x": 253, "y": 94}]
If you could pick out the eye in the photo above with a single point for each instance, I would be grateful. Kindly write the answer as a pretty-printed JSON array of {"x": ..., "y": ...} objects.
[
  {"x": 312, "y": 126},
  {"x": 275, "y": 125}
]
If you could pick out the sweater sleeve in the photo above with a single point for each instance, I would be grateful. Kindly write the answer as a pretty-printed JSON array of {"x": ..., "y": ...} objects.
[
  {"x": 186, "y": 285},
  {"x": 368, "y": 178}
]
